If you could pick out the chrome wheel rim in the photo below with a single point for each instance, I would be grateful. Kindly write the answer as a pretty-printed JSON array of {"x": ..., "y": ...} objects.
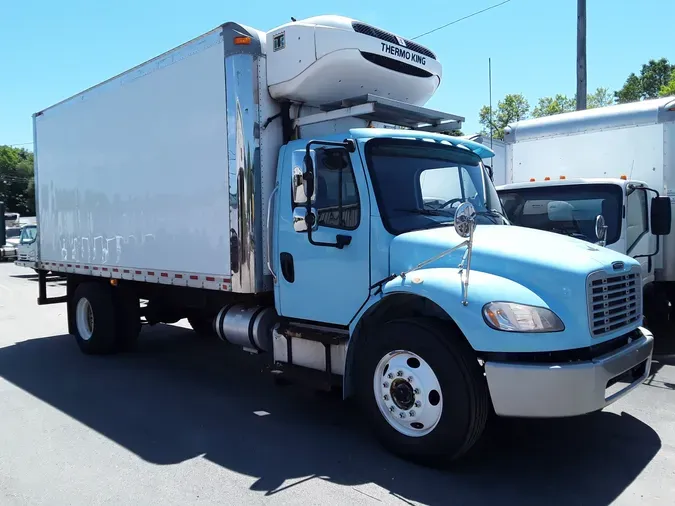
[
  {"x": 84, "y": 317},
  {"x": 408, "y": 393}
]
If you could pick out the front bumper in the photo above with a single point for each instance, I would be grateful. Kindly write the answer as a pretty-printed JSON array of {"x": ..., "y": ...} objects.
[{"x": 569, "y": 389}]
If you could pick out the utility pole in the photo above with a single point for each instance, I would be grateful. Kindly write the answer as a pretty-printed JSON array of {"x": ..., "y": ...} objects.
[{"x": 582, "y": 90}]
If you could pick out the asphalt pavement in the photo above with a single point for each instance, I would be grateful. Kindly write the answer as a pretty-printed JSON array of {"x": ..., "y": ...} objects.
[{"x": 183, "y": 420}]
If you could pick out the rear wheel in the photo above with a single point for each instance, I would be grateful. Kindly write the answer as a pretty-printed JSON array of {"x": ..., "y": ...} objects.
[
  {"x": 423, "y": 390},
  {"x": 94, "y": 318},
  {"x": 202, "y": 325}
]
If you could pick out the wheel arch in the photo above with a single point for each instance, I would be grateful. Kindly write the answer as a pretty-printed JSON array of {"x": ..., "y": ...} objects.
[{"x": 392, "y": 305}]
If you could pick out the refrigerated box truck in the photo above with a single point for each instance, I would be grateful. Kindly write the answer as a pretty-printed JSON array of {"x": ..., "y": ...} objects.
[
  {"x": 246, "y": 181},
  {"x": 618, "y": 162}
]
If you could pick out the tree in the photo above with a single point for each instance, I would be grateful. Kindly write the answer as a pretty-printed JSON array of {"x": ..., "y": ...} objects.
[
  {"x": 17, "y": 187},
  {"x": 453, "y": 133},
  {"x": 548, "y": 106},
  {"x": 668, "y": 89},
  {"x": 654, "y": 75},
  {"x": 514, "y": 107},
  {"x": 602, "y": 97}
]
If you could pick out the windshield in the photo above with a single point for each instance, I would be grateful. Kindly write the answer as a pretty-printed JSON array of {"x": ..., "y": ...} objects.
[
  {"x": 420, "y": 184},
  {"x": 566, "y": 209},
  {"x": 28, "y": 234}
]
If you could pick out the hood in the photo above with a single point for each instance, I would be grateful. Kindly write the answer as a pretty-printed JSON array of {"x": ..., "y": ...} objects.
[{"x": 553, "y": 266}]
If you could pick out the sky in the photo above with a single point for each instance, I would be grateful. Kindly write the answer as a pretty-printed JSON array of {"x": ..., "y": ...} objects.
[{"x": 54, "y": 49}]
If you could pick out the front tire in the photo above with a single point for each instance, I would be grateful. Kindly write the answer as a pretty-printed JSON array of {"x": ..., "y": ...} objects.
[{"x": 423, "y": 391}]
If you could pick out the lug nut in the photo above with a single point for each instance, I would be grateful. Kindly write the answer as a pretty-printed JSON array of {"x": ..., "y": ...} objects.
[
  {"x": 410, "y": 378},
  {"x": 385, "y": 384},
  {"x": 412, "y": 413},
  {"x": 392, "y": 408},
  {"x": 390, "y": 376},
  {"x": 418, "y": 404},
  {"x": 417, "y": 391},
  {"x": 399, "y": 373},
  {"x": 386, "y": 397},
  {"x": 402, "y": 414}
]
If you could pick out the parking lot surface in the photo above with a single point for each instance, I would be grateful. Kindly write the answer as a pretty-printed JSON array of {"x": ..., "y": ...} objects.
[{"x": 184, "y": 420}]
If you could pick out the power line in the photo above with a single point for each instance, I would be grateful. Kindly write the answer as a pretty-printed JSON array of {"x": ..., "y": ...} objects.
[
  {"x": 462, "y": 19},
  {"x": 20, "y": 144}
]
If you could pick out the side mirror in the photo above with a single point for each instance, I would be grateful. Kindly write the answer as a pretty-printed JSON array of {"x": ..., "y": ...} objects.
[
  {"x": 660, "y": 216},
  {"x": 600, "y": 229},
  {"x": 302, "y": 221},
  {"x": 465, "y": 220},
  {"x": 302, "y": 188}
]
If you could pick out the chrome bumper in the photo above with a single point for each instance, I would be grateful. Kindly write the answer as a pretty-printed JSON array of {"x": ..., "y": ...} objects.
[{"x": 567, "y": 389}]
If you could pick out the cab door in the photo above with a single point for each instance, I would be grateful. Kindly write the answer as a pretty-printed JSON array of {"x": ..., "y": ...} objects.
[{"x": 319, "y": 280}]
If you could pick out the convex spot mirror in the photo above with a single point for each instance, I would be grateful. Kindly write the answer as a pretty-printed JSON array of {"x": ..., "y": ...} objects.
[
  {"x": 301, "y": 187},
  {"x": 302, "y": 220},
  {"x": 600, "y": 228},
  {"x": 465, "y": 220}
]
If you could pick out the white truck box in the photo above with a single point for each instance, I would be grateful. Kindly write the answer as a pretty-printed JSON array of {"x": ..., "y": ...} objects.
[{"x": 152, "y": 197}]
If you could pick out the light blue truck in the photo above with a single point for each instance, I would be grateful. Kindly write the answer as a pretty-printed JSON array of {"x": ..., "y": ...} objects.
[{"x": 341, "y": 236}]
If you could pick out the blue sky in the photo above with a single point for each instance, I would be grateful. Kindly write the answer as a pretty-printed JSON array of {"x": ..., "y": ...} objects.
[{"x": 54, "y": 49}]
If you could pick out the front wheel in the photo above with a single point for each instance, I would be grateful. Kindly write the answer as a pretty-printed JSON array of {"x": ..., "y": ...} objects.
[{"x": 423, "y": 390}]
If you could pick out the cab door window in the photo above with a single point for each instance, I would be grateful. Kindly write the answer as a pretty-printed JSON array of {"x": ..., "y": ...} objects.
[{"x": 637, "y": 220}]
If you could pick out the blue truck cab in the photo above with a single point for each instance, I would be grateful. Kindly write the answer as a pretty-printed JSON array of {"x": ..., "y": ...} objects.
[{"x": 395, "y": 240}]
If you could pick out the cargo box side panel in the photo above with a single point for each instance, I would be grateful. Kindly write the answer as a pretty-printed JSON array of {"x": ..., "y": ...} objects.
[
  {"x": 634, "y": 152},
  {"x": 134, "y": 173}
]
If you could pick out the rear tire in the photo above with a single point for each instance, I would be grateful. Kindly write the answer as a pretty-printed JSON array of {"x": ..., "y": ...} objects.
[
  {"x": 202, "y": 326},
  {"x": 423, "y": 391},
  {"x": 95, "y": 328}
]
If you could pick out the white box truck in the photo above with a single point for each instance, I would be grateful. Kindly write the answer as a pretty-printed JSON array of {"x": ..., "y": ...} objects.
[
  {"x": 242, "y": 181},
  {"x": 618, "y": 162}
]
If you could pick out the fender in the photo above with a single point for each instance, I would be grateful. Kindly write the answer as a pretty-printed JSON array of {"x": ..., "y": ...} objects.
[{"x": 443, "y": 286}]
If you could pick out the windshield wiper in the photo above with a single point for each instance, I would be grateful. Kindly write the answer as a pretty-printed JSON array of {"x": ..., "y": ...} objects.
[
  {"x": 425, "y": 212},
  {"x": 494, "y": 214}
]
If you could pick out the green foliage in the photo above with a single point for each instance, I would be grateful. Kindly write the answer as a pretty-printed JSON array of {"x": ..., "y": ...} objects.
[
  {"x": 668, "y": 89},
  {"x": 17, "y": 186},
  {"x": 602, "y": 97},
  {"x": 654, "y": 75},
  {"x": 514, "y": 107},
  {"x": 453, "y": 133},
  {"x": 548, "y": 106}
]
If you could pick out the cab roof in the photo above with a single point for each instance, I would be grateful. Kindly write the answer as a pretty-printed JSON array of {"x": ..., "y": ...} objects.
[
  {"x": 568, "y": 182},
  {"x": 476, "y": 147}
]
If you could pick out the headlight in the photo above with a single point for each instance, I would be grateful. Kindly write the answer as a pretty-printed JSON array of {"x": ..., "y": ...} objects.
[{"x": 512, "y": 317}]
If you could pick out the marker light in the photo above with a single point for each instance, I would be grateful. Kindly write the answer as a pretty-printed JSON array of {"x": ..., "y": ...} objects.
[
  {"x": 547, "y": 178},
  {"x": 532, "y": 180},
  {"x": 513, "y": 317},
  {"x": 563, "y": 177},
  {"x": 623, "y": 176},
  {"x": 242, "y": 41}
]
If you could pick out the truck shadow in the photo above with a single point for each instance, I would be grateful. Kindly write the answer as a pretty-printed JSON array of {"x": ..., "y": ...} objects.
[{"x": 179, "y": 397}]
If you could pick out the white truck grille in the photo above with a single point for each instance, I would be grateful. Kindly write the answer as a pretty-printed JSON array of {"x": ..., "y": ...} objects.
[{"x": 614, "y": 301}]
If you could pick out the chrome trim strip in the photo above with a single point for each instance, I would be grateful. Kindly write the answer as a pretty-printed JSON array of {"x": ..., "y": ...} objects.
[{"x": 270, "y": 235}]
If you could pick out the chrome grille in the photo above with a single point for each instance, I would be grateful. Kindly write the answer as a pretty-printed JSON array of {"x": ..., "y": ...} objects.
[{"x": 614, "y": 300}]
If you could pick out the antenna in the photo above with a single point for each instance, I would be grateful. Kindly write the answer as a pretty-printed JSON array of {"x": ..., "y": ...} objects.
[{"x": 490, "y": 86}]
